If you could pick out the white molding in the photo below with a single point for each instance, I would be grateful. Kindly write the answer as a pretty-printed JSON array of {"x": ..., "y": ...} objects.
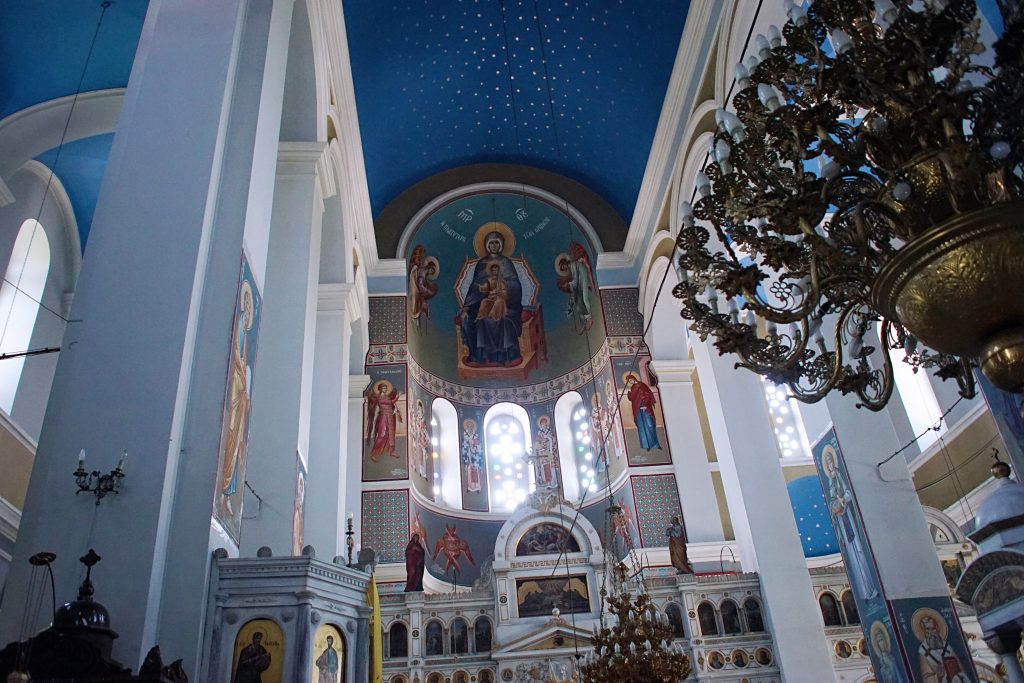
[
  {"x": 72, "y": 238},
  {"x": 559, "y": 203},
  {"x": 687, "y": 74},
  {"x": 356, "y": 388},
  {"x": 674, "y": 371},
  {"x": 947, "y": 436},
  {"x": 17, "y": 432},
  {"x": 6, "y": 196},
  {"x": 26, "y": 134},
  {"x": 337, "y": 298},
  {"x": 10, "y": 520}
]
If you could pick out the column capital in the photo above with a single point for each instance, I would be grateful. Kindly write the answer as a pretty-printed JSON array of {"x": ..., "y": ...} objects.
[
  {"x": 336, "y": 297},
  {"x": 305, "y": 159},
  {"x": 674, "y": 371},
  {"x": 357, "y": 385}
]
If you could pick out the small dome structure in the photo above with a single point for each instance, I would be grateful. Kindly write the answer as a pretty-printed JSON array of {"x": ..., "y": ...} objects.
[{"x": 1000, "y": 522}]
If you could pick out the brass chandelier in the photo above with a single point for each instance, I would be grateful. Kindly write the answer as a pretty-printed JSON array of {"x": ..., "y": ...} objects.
[
  {"x": 636, "y": 649},
  {"x": 866, "y": 192}
]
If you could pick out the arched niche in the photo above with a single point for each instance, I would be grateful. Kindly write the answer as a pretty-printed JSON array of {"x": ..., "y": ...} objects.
[
  {"x": 667, "y": 335},
  {"x": 513, "y": 481},
  {"x": 568, "y": 405},
  {"x": 444, "y": 429},
  {"x": 329, "y": 653},
  {"x": 524, "y": 519},
  {"x": 259, "y": 651}
]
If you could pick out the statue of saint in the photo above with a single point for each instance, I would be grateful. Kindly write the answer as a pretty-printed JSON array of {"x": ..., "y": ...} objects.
[
  {"x": 676, "y": 533},
  {"x": 415, "y": 560}
]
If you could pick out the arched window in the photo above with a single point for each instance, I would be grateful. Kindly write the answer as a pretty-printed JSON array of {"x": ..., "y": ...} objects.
[
  {"x": 482, "y": 634},
  {"x": 830, "y": 609},
  {"x": 786, "y": 422},
  {"x": 730, "y": 617},
  {"x": 459, "y": 637},
  {"x": 707, "y": 620},
  {"x": 507, "y": 433},
  {"x": 918, "y": 398},
  {"x": 850, "y": 608},
  {"x": 444, "y": 445},
  {"x": 752, "y": 609},
  {"x": 398, "y": 641},
  {"x": 675, "y": 619},
  {"x": 435, "y": 677},
  {"x": 569, "y": 410},
  {"x": 434, "y": 638},
  {"x": 20, "y": 291}
]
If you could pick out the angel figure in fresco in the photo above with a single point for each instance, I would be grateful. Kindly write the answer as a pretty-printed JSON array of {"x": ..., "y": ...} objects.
[
  {"x": 423, "y": 272},
  {"x": 622, "y": 522},
  {"x": 543, "y": 456},
  {"x": 239, "y": 398},
  {"x": 416, "y": 527},
  {"x": 382, "y": 418},
  {"x": 641, "y": 398},
  {"x": 472, "y": 456},
  {"x": 453, "y": 548},
  {"x": 575, "y": 278}
]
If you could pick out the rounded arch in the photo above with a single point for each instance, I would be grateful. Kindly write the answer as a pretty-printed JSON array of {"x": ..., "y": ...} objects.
[
  {"x": 731, "y": 622},
  {"x": 942, "y": 528},
  {"x": 444, "y": 451},
  {"x": 829, "y": 606},
  {"x": 507, "y": 438},
  {"x": 433, "y": 638},
  {"x": 754, "y": 616},
  {"x": 850, "y": 611},
  {"x": 524, "y": 518},
  {"x": 458, "y": 633},
  {"x": 398, "y": 640},
  {"x": 707, "y": 619},
  {"x": 674, "y": 614},
  {"x": 483, "y": 634},
  {"x": 568, "y": 405},
  {"x": 305, "y": 95},
  {"x": 699, "y": 124},
  {"x": 667, "y": 336}
]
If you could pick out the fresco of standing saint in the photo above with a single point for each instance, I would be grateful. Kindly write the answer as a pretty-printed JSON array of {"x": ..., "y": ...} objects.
[
  {"x": 382, "y": 417},
  {"x": 576, "y": 278},
  {"x": 472, "y": 456},
  {"x": 423, "y": 271}
]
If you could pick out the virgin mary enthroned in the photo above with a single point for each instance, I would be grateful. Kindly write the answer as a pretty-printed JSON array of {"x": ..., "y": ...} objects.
[{"x": 491, "y": 317}]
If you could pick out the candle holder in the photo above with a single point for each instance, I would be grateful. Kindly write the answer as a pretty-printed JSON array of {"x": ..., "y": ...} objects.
[
  {"x": 349, "y": 541},
  {"x": 97, "y": 483}
]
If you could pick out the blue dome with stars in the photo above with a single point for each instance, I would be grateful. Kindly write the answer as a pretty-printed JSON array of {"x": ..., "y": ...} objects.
[{"x": 812, "y": 521}]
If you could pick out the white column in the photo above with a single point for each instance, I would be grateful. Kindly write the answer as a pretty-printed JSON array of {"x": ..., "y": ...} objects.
[
  {"x": 278, "y": 389},
  {"x": 145, "y": 366},
  {"x": 762, "y": 514},
  {"x": 328, "y": 441},
  {"x": 354, "y": 456},
  {"x": 689, "y": 454}
]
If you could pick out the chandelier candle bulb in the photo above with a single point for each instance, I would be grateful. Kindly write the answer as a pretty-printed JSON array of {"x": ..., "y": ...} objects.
[
  {"x": 703, "y": 184},
  {"x": 774, "y": 36},
  {"x": 840, "y": 41},
  {"x": 795, "y": 13},
  {"x": 768, "y": 96},
  {"x": 742, "y": 76},
  {"x": 764, "y": 50},
  {"x": 751, "y": 63},
  {"x": 120, "y": 463},
  {"x": 885, "y": 13},
  {"x": 81, "y": 459}
]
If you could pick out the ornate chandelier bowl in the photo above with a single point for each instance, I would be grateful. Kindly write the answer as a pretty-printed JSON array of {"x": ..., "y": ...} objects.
[
  {"x": 865, "y": 195},
  {"x": 958, "y": 287}
]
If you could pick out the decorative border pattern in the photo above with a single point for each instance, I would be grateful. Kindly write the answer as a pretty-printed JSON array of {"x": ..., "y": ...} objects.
[
  {"x": 657, "y": 499},
  {"x": 627, "y": 346},
  {"x": 385, "y": 520},
  {"x": 621, "y": 317},
  {"x": 387, "y": 320},
  {"x": 530, "y": 393},
  {"x": 386, "y": 354}
]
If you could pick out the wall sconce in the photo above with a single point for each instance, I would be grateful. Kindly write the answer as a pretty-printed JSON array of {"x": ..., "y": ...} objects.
[{"x": 99, "y": 484}]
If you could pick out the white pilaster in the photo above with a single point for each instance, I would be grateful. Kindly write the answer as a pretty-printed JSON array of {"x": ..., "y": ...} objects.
[
  {"x": 762, "y": 514},
  {"x": 328, "y": 441},
  {"x": 354, "y": 456},
  {"x": 689, "y": 454},
  {"x": 144, "y": 368},
  {"x": 278, "y": 422}
]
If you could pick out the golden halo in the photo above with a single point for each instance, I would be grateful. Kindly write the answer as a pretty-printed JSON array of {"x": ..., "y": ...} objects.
[
  {"x": 494, "y": 226},
  {"x": 468, "y": 422},
  {"x": 561, "y": 259},
  {"x": 925, "y": 613},
  {"x": 437, "y": 267},
  {"x": 879, "y": 627},
  {"x": 388, "y": 386},
  {"x": 829, "y": 459},
  {"x": 247, "y": 310},
  {"x": 543, "y": 420},
  {"x": 630, "y": 373}
]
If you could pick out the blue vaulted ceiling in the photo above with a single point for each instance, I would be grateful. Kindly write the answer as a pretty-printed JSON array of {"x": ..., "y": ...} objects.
[{"x": 433, "y": 89}]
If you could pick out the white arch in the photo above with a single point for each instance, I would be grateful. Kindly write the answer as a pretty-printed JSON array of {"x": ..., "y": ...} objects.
[
  {"x": 567, "y": 404},
  {"x": 20, "y": 294},
  {"x": 524, "y": 518},
  {"x": 519, "y": 413},
  {"x": 444, "y": 429}
]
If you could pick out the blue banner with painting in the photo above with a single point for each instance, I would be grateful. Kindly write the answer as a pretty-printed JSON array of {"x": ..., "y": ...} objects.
[
  {"x": 861, "y": 569},
  {"x": 234, "y": 435},
  {"x": 1005, "y": 408}
]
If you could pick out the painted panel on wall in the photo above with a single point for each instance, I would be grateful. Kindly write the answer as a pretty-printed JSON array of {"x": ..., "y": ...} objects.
[
  {"x": 386, "y": 324},
  {"x": 422, "y": 464},
  {"x": 657, "y": 501},
  {"x": 473, "y": 462},
  {"x": 385, "y": 524},
  {"x": 328, "y": 655},
  {"x": 536, "y": 597},
  {"x": 237, "y": 403},
  {"x": 385, "y": 454},
  {"x": 456, "y": 548},
  {"x": 640, "y": 411},
  {"x": 299, "y": 511},
  {"x": 624, "y": 532},
  {"x": 501, "y": 291},
  {"x": 259, "y": 653},
  {"x": 622, "y": 317},
  {"x": 934, "y": 643}
]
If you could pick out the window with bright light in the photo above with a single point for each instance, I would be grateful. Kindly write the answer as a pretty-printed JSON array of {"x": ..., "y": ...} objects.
[
  {"x": 570, "y": 451},
  {"x": 506, "y": 436},
  {"x": 20, "y": 294},
  {"x": 786, "y": 423},
  {"x": 447, "y": 473},
  {"x": 586, "y": 447},
  {"x": 918, "y": 398}
]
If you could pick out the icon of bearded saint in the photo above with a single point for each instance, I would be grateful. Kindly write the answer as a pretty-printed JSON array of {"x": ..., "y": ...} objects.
[{"x": 453, "y": 548}]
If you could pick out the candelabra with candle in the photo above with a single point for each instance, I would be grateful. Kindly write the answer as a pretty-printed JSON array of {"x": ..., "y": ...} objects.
[
  {"x": 97, "y": 483},
  {"x": 349, "y": 540}
]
